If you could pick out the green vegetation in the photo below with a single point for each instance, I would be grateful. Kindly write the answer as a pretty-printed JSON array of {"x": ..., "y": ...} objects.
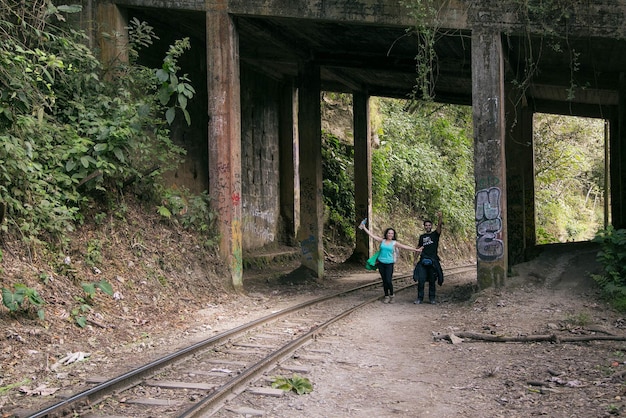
[
  {"x": 296, "y": 383},
  {"x": 79, "y": 136},
  {"x": 426, "y": 30},
  {"x": 338, "y": 175},
  {"x": 75, "y": 133},
  {"x": 569, "y": 178},
  {"x": 425, "y": 163},
  {"x": 22, "y": 299},
  {"x": 612, "y": 257},
  {"x": 90, "y": 288}
]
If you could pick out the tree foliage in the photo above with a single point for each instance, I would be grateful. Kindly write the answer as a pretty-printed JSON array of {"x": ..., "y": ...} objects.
[
  {"x": 425, "y": 162},
  {"x": 72, "y": 129},
  {"x": 338, "y": 188},
  {"x": 569, "y": 177},
  {"x": 612, "y": 257}
]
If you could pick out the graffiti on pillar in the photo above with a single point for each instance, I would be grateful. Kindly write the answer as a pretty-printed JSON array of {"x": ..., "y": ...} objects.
[
  {"x": 489, "y": 244},
  {"x": 258, "y": 224},
  {"x": 236, "y": 199},
  {"x": 308, "y": 248},
  {"x": 237, "y": 259},
  {"x": 490, "y": 109},
  {"x": 486, "y": 182},
  {"x": 223, "y": 206}
]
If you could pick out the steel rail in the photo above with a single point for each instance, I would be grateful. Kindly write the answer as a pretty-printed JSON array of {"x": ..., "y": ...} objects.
[
  {"x": 210, "y": 404},
  {"x": 134, "y": 377}
]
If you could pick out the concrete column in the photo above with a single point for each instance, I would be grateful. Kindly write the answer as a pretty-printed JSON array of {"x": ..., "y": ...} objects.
[
  {"x": 520, "y": 178},
  {"x": 362, "y": 172},
  {"x": 113, "y": 49},
  {"x": 489, "y": 157},
  {"x": 310, "y": 134},
  {"x": 618, "y": 160},
  {"x": 289, "y": 165},
  {"x": 224, "y": 132}
]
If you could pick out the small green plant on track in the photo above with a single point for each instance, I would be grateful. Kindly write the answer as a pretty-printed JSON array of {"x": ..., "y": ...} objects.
[{"x": 300, "y": 385}]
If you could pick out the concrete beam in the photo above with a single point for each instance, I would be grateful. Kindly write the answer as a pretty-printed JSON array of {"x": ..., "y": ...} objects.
[
  {"x": 393, "y": 13},
  {"x": 603, "y": 18}
]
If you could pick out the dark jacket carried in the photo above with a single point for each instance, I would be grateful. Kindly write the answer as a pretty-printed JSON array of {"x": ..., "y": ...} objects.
[{"x": 421, "y": 269}]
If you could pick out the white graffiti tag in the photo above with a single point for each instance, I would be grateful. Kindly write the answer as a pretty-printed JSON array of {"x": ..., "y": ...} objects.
[{"x": 489, "y": 244}]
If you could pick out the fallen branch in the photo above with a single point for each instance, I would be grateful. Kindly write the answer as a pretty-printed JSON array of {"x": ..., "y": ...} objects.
[{"x": 525, "y": 338}]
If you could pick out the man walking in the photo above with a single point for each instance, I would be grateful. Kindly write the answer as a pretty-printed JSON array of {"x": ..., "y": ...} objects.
[{"x": 428, "y": 266}]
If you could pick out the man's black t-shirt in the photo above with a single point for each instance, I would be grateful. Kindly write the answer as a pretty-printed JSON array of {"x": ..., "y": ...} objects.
[{"x": 430, "y": 241}]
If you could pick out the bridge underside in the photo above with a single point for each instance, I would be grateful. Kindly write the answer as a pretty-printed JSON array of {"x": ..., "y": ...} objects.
[{"x": 505, "y": 71}]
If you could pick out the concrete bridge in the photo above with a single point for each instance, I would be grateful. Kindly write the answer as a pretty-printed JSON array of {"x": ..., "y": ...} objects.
[{"x": 255, "y": 143}]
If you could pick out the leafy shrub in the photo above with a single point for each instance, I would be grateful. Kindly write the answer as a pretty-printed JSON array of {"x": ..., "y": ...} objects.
[
  {"x": 90, "y": 288},
  {"x": 300, "y": 385},
  {"x": 72, "y": 129},
  {"x": 192, "y": 212},
  {"x": 338, "y": 187},
  {"x": 22, "y": 299},
  {"x": 612, "y": 257}
]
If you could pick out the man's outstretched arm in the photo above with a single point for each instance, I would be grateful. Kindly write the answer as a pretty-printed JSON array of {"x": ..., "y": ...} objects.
[{"x": 439, "y": 222}]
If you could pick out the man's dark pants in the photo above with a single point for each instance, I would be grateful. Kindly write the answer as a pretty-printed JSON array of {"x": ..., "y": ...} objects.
[{"x": 425, "y": 273}]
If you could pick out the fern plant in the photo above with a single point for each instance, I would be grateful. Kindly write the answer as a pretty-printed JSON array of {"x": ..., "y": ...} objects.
[{"x": 296, "y": 383}]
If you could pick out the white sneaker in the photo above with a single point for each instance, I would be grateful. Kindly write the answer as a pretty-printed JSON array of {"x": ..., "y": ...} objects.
[
  {"x": 391, "y": 299},
  {"x": 386, "y": 300}
]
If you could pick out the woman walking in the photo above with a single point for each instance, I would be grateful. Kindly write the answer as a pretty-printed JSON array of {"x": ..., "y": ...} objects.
[{"x": 387, "y": 257}]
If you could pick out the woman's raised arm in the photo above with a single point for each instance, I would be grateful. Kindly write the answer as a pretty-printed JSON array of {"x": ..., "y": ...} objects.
[{"x": 375, "y": 237}]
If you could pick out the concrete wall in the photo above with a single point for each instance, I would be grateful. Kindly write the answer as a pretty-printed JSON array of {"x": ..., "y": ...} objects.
[
  {"x": 193, "y": 172},
  {"x": 260, "y": 105}
]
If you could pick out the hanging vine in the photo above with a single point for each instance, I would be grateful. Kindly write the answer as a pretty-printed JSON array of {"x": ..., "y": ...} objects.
[
  {"x": 426, "y": 30},
  {"x": 552, "y": 20}
]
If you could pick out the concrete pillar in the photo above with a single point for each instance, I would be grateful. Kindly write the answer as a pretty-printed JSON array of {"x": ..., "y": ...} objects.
[
  {"x": 311, "y": 203},
  {"x": 362, "y": 172},
  {"x": 224, "y": 132},
  {"x": 289, "y": 165},
  {"x": 113, "y": 50},
  {"x": 618, "y": 160},
  {"x": 520, "y": 178},
  {"x": 489, "y": 157}
]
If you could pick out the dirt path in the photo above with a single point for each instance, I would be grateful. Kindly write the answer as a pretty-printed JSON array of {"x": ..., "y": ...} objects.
[{"x": 386, "y": 363}]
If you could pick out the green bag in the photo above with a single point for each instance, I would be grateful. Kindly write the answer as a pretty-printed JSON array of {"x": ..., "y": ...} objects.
[{"x": 371, "y": 262}]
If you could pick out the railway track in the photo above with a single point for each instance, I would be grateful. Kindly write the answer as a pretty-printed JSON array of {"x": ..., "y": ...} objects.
[{"x": 204, "y": 378}]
